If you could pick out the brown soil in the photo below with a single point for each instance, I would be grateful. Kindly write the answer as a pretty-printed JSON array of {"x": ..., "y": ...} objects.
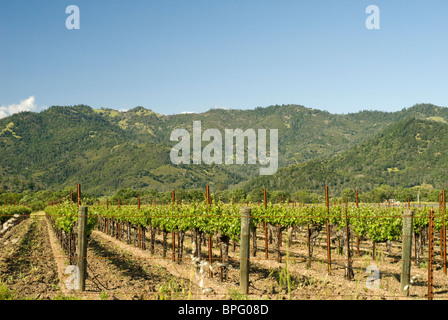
[
  {"x": 27, "y": 264},
  {"x": 270, "y": 279},
  {"x": 33, "y": 265}
]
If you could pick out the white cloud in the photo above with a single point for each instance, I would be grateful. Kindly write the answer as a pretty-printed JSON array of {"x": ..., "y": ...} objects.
[
  {"x": 220, "y": 108},
  {"x": 24, "y": 105}
]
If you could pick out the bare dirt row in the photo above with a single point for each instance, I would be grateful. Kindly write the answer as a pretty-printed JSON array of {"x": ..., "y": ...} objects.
[
  {"x": 33, "y": 266},
  {"x": 27, "y": 264}
]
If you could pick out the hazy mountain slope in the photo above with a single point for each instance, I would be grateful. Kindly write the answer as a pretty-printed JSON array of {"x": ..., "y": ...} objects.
[
  {"x": 408, "y": 153},
  {"x": 107, "y": 150}
]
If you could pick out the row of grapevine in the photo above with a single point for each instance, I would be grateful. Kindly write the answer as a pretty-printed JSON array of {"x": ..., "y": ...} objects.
[
  {"x": 6, "y": 212},
  {"x": 63, "y": 220},
  {"x": 12, "y": 215},
  {"x": 378, "y": 224},
  {"x": 206, "y": 220}
]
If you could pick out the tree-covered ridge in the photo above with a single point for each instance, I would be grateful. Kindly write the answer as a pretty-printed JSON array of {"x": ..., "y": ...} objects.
[
  {"x": 304, "y": 133},
  {"x": 411, "y": 152},
  {"x": 108, "y": 150}
]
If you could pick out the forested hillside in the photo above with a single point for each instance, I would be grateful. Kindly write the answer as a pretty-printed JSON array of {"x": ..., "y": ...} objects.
[
  {"x": 108, "y": 150},
  {"x": 411, "y": 152}
]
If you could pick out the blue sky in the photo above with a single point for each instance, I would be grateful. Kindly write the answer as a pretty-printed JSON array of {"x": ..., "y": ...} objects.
[{"x": 173, "y": 56}]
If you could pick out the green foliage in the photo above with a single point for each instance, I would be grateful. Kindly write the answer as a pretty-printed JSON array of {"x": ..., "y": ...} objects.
[
  {"x": 405, "y": 157},
  {"x": 109, "y": 150},
  {"x": 65, "y": 215},
  {"x": 6, "y": 212},
  {"x": 5, "y": 293},
  {"x": 256, "y": 195},
  {"x": 125, "y": 194},
  {"x": 379, "y": 224},
  {"x": 306, "y": 196},
  {"x": 197, "y": 215}
]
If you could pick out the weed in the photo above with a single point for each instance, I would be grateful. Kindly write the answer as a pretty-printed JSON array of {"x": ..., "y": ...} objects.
[
  {"x": 236, "y": 295},
  {"x": 356, "y": 289},
  {"x": 285, "y": 279},
  {"x": 170, "y": 290},
  {"x": 104, "y": 295},
  {"x": 5, "y": 293}
]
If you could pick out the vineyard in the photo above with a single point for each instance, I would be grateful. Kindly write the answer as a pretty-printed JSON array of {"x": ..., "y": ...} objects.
[{"x": 297, "y": 251}]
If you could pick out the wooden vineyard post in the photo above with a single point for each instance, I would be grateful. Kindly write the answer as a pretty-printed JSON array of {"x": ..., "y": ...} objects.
[
  {"x": 415, "y": 249},
  {"x": 179, "y": 248},
  {"x": 210, "y": 254},
  {"x": 82, "y": 248},
  {"x": 164, "y": 235},
  {"x": 408, "y": 216},
  {"x": 79, "y": 194},
  {"x": 140, "y": 229},
  {"x": 357, "y": 236},
  {"x": 444, "y": 235},
  {"x": 266, "y": 239},
  {"x": 430, "y": 255},
  {"x": 347, "y": 237},
  {"x": 173, "y": 234},
  {"x": 265, "y": 225},
  {"x": 308, "y": 264},
  {"x": 441, "y": 230},
  {"x": 207, "y": 193},
  {"x": 328, "y": 231},
  {"x": 279, "y": 243},
  {"x": 245, "y": 250},
  {"x": 210, "y": 244},
  {"x": 173, "y": 237}
]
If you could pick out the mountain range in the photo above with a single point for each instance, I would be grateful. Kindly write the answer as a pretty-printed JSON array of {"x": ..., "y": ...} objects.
[{"x": 106, "y": 150}]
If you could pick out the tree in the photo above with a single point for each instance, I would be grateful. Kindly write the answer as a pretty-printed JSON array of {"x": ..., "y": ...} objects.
[
  {"x": 348, "y": 193},
  {"x": 124, "y": 194},
  {"x": 305, "y": 196},
  {"x": 196, "y": 195},
  {"x": 256, "y": 195},
  {"x": 223, "y": 196},
  {"x": 274, "y": 196},
  {"x": 238, "y": 194}
]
